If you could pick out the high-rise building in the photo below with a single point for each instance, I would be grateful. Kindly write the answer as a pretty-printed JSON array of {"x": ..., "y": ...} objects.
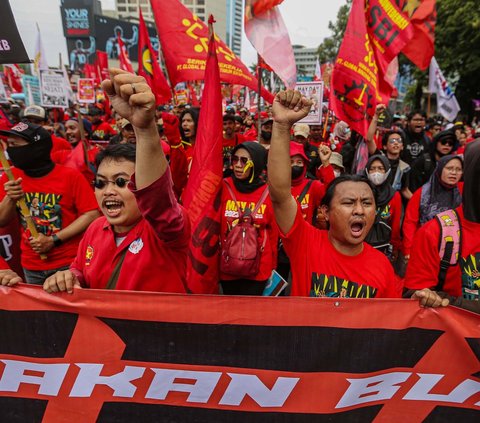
[
  {"x": 234, "y": 25},
  {"x": 202, "y": 8},
  {"x": 306, "y": 60}
]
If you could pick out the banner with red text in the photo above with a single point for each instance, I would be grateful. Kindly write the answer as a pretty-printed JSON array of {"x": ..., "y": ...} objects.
[
  {"x": 137, "y": 356},
  {"x": 184, "y": 39}
]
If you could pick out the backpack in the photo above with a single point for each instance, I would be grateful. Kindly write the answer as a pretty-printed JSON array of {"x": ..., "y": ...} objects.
[
  {"x": 241, "y": 250},
  {"x": 449, "y": 246}
]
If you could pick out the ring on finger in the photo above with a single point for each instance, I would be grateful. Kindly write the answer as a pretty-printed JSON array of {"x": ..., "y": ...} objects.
[{"x": 133, "y": 88}]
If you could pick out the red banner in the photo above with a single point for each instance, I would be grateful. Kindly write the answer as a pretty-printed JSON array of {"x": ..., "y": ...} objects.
[
  {"x": 202, "y": 194},
  {"x": 376, "y": 32},
  {"x": 149, "y": 68},
  {"x": 137, "y": 356},
  {"x": 125, "y": 63},
  {"x": 101, "y": 64},
  {"x": 184, "y": 39}
]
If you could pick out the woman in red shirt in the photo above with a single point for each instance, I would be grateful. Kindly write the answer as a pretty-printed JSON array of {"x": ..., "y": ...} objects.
[
  {"x": 248, "y": 184},
  {"x": 442, "y": 192}
]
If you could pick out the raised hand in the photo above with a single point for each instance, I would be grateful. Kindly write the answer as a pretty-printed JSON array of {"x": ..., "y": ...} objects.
[
  {"x": 324, "y": 152},
  {"x": 290, "y": 107},
  {"x": 131, "y": 97},
  {"x": 380, "y": 109}
]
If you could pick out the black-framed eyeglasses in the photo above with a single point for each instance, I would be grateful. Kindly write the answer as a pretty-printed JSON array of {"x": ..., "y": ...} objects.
[
  {"x": 447, "y": 142},
  {"x": 236, "y": 159},
  {"x": 102, "y": 183}
]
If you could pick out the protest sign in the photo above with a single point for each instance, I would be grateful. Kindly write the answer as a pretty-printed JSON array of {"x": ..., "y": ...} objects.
[
  {"x": 12, "y": 49},
  {"x": 3, "y": 92},
  {"x": 140, "y": 356},
  {"x": 31, "y": 88},
  {"x": 54, "y": 89},
  {"x": 86, "y": 90},
  {"x": 314, "y": 92}
]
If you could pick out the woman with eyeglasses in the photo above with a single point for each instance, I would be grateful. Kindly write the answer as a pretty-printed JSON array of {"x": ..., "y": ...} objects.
[
  {"x": 244, "y": 190},
  {"x": 442, "y": 192},
  {"x": 443, "y": 144},
  {"x": 141, "y": 241}
]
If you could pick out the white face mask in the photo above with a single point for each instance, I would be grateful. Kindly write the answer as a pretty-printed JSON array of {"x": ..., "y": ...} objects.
[
  {"x": 378, "y": 178},
  {"x": 337, "y": 173}
]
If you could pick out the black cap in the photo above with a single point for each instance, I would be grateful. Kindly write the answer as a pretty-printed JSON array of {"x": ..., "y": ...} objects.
[{"x": 28, "y": 131}]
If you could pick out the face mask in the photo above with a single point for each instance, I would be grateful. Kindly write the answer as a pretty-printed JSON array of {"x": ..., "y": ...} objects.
[
  {"x": 297, "y": 171},
  {"x": 31, "y": 157},
  {"x": 337, "y": 173},
  {"x": 267, "y": 136},
  {"x": 378, "y": 178}
]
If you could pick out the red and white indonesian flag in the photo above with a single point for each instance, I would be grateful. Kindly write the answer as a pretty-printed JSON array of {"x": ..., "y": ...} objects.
[{"x": 268, "y": 34}]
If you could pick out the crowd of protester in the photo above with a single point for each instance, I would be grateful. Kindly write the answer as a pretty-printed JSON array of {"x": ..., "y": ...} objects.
[{"x": 335, "y": 214}]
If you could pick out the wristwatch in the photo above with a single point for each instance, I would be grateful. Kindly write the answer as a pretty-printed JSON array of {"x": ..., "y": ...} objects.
[{"x": 56, "y": 240}]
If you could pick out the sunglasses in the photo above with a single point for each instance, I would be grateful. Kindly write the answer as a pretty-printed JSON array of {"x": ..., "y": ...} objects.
[
  {"x": 392, "y": 140},
  {"x": 102, "y": 183},
  {"x": 447, "y": 142},
  {"x": 236, "y": 159}
]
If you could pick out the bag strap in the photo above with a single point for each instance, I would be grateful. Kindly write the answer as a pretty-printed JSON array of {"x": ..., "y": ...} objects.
[
  {"x": 230, "y": 190},
  {"x": 305, "y": 190},
  {"x": 449, "y": 245},
  {"x": 261, "y": 201},
  {"x": 112, "y": 281}
]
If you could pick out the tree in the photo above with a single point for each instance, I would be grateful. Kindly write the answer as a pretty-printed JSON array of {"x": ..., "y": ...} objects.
[{"x": 328, "y": 50}]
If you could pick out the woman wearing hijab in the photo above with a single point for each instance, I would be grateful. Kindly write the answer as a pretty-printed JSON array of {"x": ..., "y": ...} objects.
[
  {"x": 442, "y": 192},
  {"x": 248, "y": 184},
  {"x": 385, "y": 232},
  {"x": 462, "y": 280}
]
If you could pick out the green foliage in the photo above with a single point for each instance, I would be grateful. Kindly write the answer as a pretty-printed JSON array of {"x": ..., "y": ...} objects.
[{"x": 328, "y": 50}]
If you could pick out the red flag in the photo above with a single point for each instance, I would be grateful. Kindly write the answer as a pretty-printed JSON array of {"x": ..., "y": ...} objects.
[
  {"x": 423, "y": 17},
  {"x": 125, "y": 63},
  {"x": 268, "y": 34},
  {"x": 13, "y": 77},
  {"x": 149, "y": 68},
  {"x": 90, "y": 71},
  {"x": 184, "y": 39},
  {"x": 374, "y": 36},
  {"x": 202, "y": 193},
  {"x": 193, "y": 96},
  {"x": 101, "y": 64}
]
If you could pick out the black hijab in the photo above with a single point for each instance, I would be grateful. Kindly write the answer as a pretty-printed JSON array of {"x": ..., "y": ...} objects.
[
  {"x": 258, "y": 176},
  {"x": 471, "y": 187},
  {"x": 385, "y": 191},
  {"x": 436, "y": 197}
]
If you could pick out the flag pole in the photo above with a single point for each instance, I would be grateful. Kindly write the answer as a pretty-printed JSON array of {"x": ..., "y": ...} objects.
[
  {"x": 325, "y": 125},
  {"x": 259, "y": 98},
  {"x": 428, "y": 104}
]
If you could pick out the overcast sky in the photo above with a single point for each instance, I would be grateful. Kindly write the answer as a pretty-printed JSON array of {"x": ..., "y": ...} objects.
[{"x": 306, "y": 20}]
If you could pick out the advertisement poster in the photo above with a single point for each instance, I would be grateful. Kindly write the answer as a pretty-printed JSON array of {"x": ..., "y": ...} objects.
[
  {"x": 314, "y": 92},
  {"x": 86, "y": 90},
  {"x": 54, "y": 89}
]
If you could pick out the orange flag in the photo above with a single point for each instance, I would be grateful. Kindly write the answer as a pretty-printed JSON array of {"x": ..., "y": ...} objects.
[
  {"x": 184, "y": 38},
  {"x": 125, "y": 63},
  {"x": 149, "y": 68},
  {"x": 203, "y": 191}
]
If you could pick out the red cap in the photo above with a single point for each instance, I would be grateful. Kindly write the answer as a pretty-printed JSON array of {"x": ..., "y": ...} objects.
[{"x": 296, "y": 149}]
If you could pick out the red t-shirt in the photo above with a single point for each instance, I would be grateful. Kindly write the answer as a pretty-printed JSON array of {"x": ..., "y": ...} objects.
[
  {"x": 55, "y": 201},
  {"x": 3, "y": 264},
  {"x": 157, "y": 246},
  {"x": 319, "y": 270},
  {"x": 424, "y": 263},
  {"x": 264, "y": 220},
  {"x": 312, "y": 199}
]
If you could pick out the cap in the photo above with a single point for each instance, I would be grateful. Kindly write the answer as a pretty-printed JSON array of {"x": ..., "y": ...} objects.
[
  {"x": 34, "y": 111},
  {"x": 123, "y": 123},
  {"x": 297, "y": 149},
  {"x": 28, "y": 131},
  {"x": 301, "y": 129},
  {"x": 337, "y": 160},
  {"x": 267, "y": 120}
]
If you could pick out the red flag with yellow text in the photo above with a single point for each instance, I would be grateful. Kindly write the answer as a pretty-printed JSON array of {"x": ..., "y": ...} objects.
[
  {"x": 149, "y": 68},
  {"x": 184, "y": 39},
  {"x": 376, "y": 32},
  {"x": 202, "y": 194},
  {"x": 423, "y": 16},
  {"x": 125, "y": 63}
]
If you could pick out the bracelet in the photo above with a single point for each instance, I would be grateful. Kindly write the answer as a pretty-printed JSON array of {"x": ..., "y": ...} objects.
[{"x": 56, "y": 240}]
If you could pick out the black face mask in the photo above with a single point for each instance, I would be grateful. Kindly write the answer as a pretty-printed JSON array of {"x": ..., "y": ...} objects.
[
  {"x": 297, "y": 171},
  {"x": 34, "y": 159},
  {"x": 267, "y": 136}
]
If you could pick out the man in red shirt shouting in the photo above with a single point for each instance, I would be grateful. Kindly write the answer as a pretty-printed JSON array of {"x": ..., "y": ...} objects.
[{"x": 333, "y": 263}]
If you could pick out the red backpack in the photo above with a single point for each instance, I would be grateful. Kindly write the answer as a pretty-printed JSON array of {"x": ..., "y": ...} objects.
[{"x": 241, "y": 250}]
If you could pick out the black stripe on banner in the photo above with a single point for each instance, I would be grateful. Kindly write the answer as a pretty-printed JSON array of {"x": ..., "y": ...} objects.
[
  {"x": 127, "y": 413},
  {"x": 43, "y": 334},
  {"x": 453, "y": 415},
  {"x": 294, "y": 349},
  {"x": 22, "y": 410},
  {"x": 474, "y": 344}
]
